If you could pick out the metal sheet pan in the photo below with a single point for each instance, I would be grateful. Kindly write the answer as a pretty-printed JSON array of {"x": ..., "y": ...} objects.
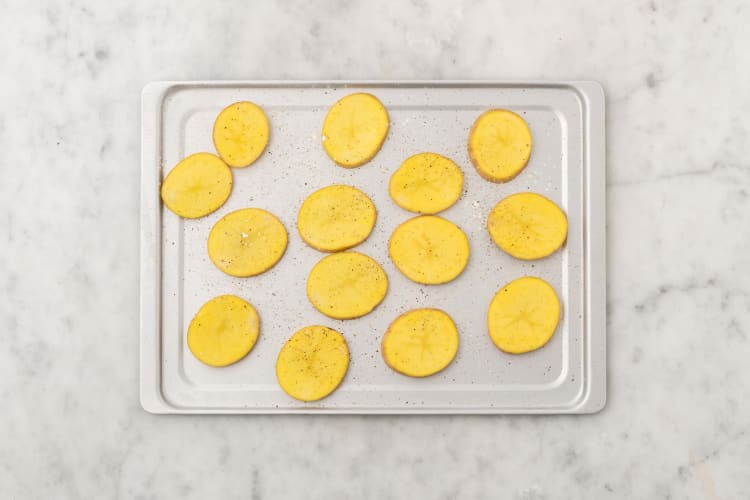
[{"x": 568, "y": 375}]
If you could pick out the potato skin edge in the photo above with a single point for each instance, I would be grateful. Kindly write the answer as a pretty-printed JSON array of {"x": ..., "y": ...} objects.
[
  {"x": 309, "y": 298},
  {"x": 383, "y": 348},
  {"x": 527, "y": 259},
  {"x": 257, "y": 338},
  {"x": 193, "y": 217},
  {"x": 236, "y": 275},
  {"x": 346, "y": 371},
  {"x": 376, "y": 150},
  {"x": 343, "y": 248},
  {"x": 420, "y": 212},
  {"x": 442, "y": 282},
  {"x": 559, "y": 316},
  {"x": 265, "y": 146},
  {"x": 474, "y": 161}
]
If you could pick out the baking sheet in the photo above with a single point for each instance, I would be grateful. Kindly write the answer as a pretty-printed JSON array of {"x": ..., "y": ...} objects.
[{"x": 568, "y": 375}]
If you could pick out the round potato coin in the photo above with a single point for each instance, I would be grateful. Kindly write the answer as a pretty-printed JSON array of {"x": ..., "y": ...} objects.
[
  {"x": 336, "y": 218},
  {"x": 247, "y": 242},
  {"x": 429, "y": 249},
  {"x": 426, "y": 183},
  {"x": 223, "y": 330},
  {"x": 523, "y": 315},
  {"x": 346, "y": 285},
  {"x": 499, "y": 145},
  {"x": 420, "y": 343},
  {"x": 197, "y": 186},
  {"x": 240, "y": 133},
  {"x": 527, "y": 226},
  {"x": 312, "y": 363},
  {"x": 354, "y": 129}
]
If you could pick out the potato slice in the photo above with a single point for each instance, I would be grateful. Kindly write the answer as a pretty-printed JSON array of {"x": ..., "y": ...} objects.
[
  {"x": 527, "y": 226},
  {"x": 346, "y": 285},
  {"x": 420, "y": 343},
  {"x": 499, "y": 145},
  {"x": 426, "y": 183},
  {"x": 197, "y": 186},
  {"x": 523, "y": 315},
  {"x": 223, "y": 330},
  {"x": 312, "y": 363},
  {"x": 354, "y": 129},
  {"x": 429, "y": 249},
  {"x": 247, "y": 242},
  {"x": 336, "y": 218},
  {"x": 240, "y": 133}
]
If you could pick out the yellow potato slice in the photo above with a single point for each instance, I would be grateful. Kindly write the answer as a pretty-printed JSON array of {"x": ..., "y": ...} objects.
[
  {"x": 354, "y": 129},
  {"x": 527, "y": 226},
  {"x": 499, "y": 145},
  {"x": 420, "y": 343},
  {"x": 346, "y": 285},
  {"x": 426, "y": 183},
  {"x": 247, "y": 242},
  {"x": 429, "y": 249},
  {"x": 240, "y": 133},
  {"x": 223, "y": 330},
  {"x": 523, "y": 315},
  {"x": 197, "y": 186},
  {"x": 312, "y": 363},
  {"x": 336, "y": 218}
]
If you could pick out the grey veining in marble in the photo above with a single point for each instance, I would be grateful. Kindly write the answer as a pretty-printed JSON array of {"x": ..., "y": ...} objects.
[{"x": 677, "y": 76}]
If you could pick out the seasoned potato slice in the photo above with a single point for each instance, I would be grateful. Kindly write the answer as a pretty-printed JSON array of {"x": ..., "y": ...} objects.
[
  {"x": 247, "y": 242},
  {"x": 197, "y": 186},
  {"x": 312, "y": 363},
  {"x": 354, "y": 129},
  {"x": 420, "y": 343},
  {"x": 523, "y": 315},
  {"x": 336, "y": 218},
  {"x": 499, "y": 145},
  {"x": 527, "y": 226},
  {"x": 240, "y": 133},
  {"x": 346, "y": 285},
  {"x": 223, "y": 330},
  {"x": 429, "y": 249},
  {"x": 426, "y": 183}
]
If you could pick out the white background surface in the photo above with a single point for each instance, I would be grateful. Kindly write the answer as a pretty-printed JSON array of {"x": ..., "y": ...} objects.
[{"x": 676, "y": 425}]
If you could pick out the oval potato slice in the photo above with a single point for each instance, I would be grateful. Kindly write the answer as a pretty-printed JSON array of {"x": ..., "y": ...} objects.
[
  {"x": 346, "y": 285},
  {"x": 247, "y": 242},
  {"x": 420, "y": 343},
  {"x": 223, "y": 330},
  {"x": 312, "y": 363},
  {"x": 354, "y": 129},
  {"x": 240, "y": 133},
  {"x": 426, "y": 183},
  {"x": 499, "y": 145},
  {"x": 197, "y": 186},
  {"x": 527, "y": 226},
  {"x": 429, "y": 249},
  {"x": 335, "y": 218},
  {"x": 523, "y": 315}
]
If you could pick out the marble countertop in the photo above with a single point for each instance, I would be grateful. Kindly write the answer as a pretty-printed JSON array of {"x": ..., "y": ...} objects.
[{"x": 677, "y": 424}]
